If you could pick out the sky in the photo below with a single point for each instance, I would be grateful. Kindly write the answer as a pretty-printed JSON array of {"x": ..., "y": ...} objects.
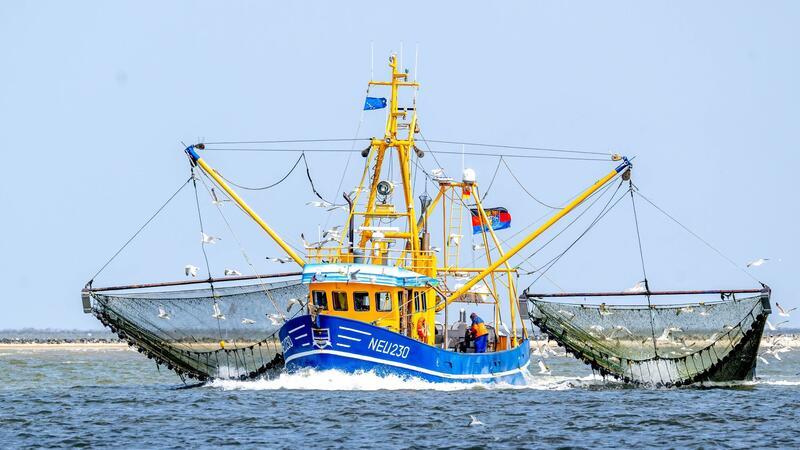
[{"x": 96, "y": 98}]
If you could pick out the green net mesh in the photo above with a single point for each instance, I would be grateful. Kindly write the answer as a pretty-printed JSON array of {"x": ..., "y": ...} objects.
[
  {"x": 660, "y": 345},
  {"x": 227, "y": 333}
]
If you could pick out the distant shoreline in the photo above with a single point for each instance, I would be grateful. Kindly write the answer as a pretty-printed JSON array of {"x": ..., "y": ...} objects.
[{"x": 62, "y": 345}]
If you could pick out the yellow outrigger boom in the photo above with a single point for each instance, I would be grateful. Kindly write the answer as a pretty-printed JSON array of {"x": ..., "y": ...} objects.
[{"x": 197, "y": 160}]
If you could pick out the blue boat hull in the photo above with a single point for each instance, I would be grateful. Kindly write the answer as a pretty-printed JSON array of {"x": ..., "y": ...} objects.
[{"x": 352, "y": 346}]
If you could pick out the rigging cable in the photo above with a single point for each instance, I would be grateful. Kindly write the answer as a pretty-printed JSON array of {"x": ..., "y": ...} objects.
[
  {"x": 644, "y": 272},
  {"x": 289, "y": 141},
  {"x": 718, "y": 252},
  {"x": 526, "y": 191},
  {"x": 515, "y": 147},
  {"x": 496, "y": 169},
  {"x": 153, "y": 216},
  {"x": 262, "y": 188},
  {"x": 606, "y": 209}
]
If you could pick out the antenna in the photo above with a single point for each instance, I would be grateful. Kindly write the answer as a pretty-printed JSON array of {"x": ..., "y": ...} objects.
[
  {"x": 416, "y": 62},
  {"x": 372, "y": 60},
  {"x": 400, "y": 63}
]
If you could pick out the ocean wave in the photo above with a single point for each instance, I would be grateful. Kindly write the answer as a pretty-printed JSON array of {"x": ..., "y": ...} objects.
[{"x": 335, "y": 380}]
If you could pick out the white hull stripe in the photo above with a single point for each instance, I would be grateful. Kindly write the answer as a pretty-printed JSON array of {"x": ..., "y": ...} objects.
[
  {"x": 300, "y": 336},
  {"x": 409, "y": 366},
  {"x": 295, "y": 329},
  {"x": 342, "y": 345},
  {"x": 355, "y": 331},
  {"x": 349, "y": 338}
]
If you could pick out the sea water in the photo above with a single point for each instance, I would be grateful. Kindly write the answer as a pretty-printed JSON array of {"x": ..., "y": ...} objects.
[{"x": 114, "y": 397}]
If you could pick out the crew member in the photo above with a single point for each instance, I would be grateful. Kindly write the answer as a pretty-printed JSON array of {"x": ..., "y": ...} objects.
[{"x": 479, "y": 333}]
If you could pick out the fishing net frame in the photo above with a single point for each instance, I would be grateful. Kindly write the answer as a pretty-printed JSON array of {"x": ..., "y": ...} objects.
[
  {"x": 177, "y": 328},
  {"x": 708, "y": 350}
]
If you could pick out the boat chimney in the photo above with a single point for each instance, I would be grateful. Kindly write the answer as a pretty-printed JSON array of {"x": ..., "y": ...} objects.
[{"x": 462, "y": 315}]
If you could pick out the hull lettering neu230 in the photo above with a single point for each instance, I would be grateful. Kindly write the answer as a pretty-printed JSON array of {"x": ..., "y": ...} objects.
[{"x": 389, "y": 348}]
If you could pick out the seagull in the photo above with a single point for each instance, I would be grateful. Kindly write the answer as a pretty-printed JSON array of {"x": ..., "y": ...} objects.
[
  {"x": 291, "y": 302},
  {"x": 597, "y": 328},
  {"x": 335, "y": 231},
  {"x": 437, "y": 173},
  {"x": 686, "y": 309},
  {"x": 454, "y": 239},
  {"x": 279, "y": 260},
  {"x": 665, "y": 335},
  {"x": 315, "y": 244},
  {"x": 757, "y": 262},
  {"x": 783, "y": 312},
  {"x": 543, "y": 369},
  {"x": 354, "y": 275},
  {"x": 276, "y": 319},
  {"x": 712, "y": 337},
  {"x": 162, "y": 313},
  {"x": 622, "y": 328},
  {"x": 476, "y": 247},
  {"x": 217, "y": 313},
  {"x": 566, "y": 314},
  {"x": 319, "y": 204},
  {"x": 604, "y": 311},
  {"x": 436, "y": 249},
  {"x": 206, "y": 239},
  {"x": 342, "y": 207},
  {"x": 637, "y": 288},
  {"x": 232, "y": 272},
  {"x": 216, "y": 200},
  {"x": 190, "y": 270},
  {"x": 474, "y": 422},
  {"x": 762, "y": 359},
  {"x": 248, "y": 321}
]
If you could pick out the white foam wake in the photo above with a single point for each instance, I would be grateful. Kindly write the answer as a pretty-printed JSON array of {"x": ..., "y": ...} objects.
[{"x": 335, "y": 380}]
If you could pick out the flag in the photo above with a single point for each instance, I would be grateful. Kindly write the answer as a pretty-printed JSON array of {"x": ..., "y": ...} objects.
[
  {"x": 500, "y": 219},
  {"x": 374, "y": 103}
]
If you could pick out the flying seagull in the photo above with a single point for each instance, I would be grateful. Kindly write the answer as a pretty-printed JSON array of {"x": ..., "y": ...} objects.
[
  {"x": 543, "y": 369},
  {"x": 437, "y": 173},
  {"x": 604, "y": 311},
  {"x": 783, "y": 312},
  {"x": 291, "y": 302},
  {"x": 279, "y": 260},
  {"x": 476, "y": 247},
  {"x": 232, "y": 272},
  {"x": 162, "y": 313},
  {"x": 757, "y": 262},
  {"x": 217, "y": 313},
  {"x": 637, "y": 288},
  {"x": 217, "y": 200},
  {"x": 207, "y": 239},
  {"x": 474, "y": 422},
  {"x": 190, "y": 270},
  {"x": 276, "y": 319},
  {"x": 454, "y": 239},
  {"x": 248, "y": 321},
  {"x": 319, "y": 204}
]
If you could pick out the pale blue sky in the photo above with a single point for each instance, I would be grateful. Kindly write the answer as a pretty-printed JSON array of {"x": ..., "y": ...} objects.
[{"x": 95, "y": 97}]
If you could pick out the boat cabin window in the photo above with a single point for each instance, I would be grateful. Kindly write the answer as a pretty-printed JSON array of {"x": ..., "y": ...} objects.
[
  {"x": 339, "y": 301},
  {"x": 361, "y": 301},
  {"x": 320, "y": 299},
  {"x": 420, "y": 302},
  {"x": 383, "y": 301}
]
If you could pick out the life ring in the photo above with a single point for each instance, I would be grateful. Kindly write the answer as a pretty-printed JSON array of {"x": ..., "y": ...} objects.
[{"x": 422, "y": 329}]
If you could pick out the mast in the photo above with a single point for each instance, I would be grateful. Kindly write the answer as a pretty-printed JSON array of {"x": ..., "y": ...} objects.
[{"x": 403, "y": 145}]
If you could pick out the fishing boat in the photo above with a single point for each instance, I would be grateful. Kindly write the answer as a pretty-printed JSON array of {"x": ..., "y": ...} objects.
[{"x": 375, "y": 294}]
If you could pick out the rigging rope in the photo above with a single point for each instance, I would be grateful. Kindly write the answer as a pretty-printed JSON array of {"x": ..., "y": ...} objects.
[
  {"x": 153, "y": 216},
  {"x": 289, "y": 141},
  {"x": 515, "y": 147},
  {"x": 644, "y": 270},
  {"x": 526, "y": 191},
  {"x": 269, "y": 186},
  {"x": 718, "y": 252},
  {"x": 496, "y": 169},
  {"x": 603, "y": 212}
]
